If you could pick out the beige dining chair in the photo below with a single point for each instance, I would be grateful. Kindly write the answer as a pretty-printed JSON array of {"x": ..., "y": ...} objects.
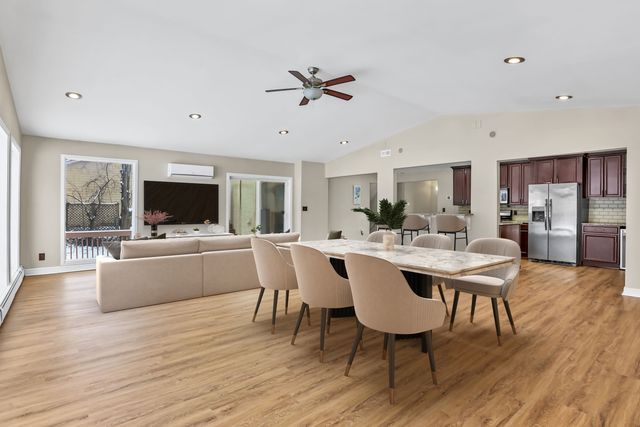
[
  {"x": 376, "y": 236},
  {"x": 435, "y": 241},
  {"x": 384, "y": 302},
  {"x": 274, "y": 272},
  {"x": 498, "y": 283},
  {"x": 319, "y": 286},
  {"x": 413, "y": 223},
  {"x": 452, "y": 224}
]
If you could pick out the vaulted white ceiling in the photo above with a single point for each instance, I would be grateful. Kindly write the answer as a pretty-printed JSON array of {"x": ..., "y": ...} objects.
[{"x": 144, "y": 65}]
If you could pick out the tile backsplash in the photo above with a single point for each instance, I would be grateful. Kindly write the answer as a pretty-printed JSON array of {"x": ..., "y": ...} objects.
[{"x": 608, "y": 210}]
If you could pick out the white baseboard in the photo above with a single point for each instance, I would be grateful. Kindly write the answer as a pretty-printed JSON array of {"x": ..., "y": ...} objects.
[
  {"x": 5, "y": 304},
  {"x": 39, "y": 271},
  {"x": 631, "y": 292}
]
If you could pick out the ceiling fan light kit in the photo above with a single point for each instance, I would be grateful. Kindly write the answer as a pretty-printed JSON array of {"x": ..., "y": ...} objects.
[{"x": 313, "y": 87}]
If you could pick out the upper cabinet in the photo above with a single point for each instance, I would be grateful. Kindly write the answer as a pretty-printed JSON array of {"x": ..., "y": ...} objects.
[
  {"x": 519, "y": 175},
  {"x": 461, "y": 185},
  {"x": 504, "y": 175},
  {"x": 605, "y": 175},
  {"x": 559, "y": 170}
]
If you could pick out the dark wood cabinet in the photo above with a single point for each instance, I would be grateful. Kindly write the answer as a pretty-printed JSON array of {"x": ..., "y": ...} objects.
[
  {"x": 515, "y": 183},
  {"x": 511, "y": 232},
  {"x": 528, "y": 177},
  {"x": 461, "y": 185},
  {"x": 605, "y": 175},
  {"x": 600, "y": 245},
  {"x": 559, "y": 170},
  {"x": 504, "y": 175},
  {"x": 524, "y": 240}
]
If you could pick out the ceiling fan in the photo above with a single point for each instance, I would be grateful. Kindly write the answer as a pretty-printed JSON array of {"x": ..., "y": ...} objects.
[{"x": 313, "y": 87}]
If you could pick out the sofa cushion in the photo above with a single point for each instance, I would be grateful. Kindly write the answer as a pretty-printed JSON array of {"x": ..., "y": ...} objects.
[
  {"x": 154, "y": 248},
  {"x": 229, "y": 271},
  {"x": 223, "y": 243},
  {"x": 280, "y": 237}
]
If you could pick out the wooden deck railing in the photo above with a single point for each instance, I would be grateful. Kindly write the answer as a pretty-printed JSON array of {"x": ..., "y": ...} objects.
[{"x": 89, "y": 244}]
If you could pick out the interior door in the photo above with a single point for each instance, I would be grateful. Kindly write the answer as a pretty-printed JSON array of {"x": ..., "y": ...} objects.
[
  {"x": 538, "y": 234},
  {"x": 563, "y": 222}
]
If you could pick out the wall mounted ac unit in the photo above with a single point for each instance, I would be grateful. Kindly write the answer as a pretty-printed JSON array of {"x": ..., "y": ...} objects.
[{"x": 191, "y": 171}]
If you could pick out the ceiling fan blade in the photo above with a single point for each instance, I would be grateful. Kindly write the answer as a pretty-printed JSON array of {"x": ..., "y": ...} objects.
[
  {"x": 298, "y": 75},
  {"x": 280, "y": 90},
  {"x": 339, "y": 80},
  {"x": 304, "y": 101},
  {"x": 337, "y": 94}
]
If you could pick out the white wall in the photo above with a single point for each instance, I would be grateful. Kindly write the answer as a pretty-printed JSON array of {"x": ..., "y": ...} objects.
[
  {"x": 443, "y": 174},
  {"x": 354, "y": 225},
  {"x": 451, "y": 139},
  {"x": 41, "y": 227},
  {"x": 313, "y": 191},
  {"x": 7, "y": 107}
]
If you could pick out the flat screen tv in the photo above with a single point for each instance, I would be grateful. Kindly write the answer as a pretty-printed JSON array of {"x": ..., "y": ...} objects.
[{"x": 187, "y": 203}]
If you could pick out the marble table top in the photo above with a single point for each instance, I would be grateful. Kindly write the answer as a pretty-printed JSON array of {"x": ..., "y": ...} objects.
[{"x": 435, "y": 262}]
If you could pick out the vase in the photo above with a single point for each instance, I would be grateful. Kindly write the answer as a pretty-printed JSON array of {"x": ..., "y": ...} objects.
[
  {"x": 388, "y": 240},
  {"x": 154, "y": 230}
]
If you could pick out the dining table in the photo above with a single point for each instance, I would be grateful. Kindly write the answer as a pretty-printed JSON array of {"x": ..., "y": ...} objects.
[{"x": 419, "y": 265}]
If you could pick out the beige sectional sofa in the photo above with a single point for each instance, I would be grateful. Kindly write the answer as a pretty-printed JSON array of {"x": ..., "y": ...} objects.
[{"x": 158, "y": 271}]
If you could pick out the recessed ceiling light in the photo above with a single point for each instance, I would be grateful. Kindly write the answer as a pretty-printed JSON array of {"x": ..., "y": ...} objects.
[
  {"x": 514, "y": 60},
  {"x": 283, "y": 132},
  {"x": 564, "y": 97},
  {"x": 195, "y": 116},
  {"x": 73, "y": 95},
  {"x": 344, "y": 142}
]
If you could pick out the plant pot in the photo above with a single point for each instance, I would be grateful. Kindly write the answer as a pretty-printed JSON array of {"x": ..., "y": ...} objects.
[
  {"x": 388, "y": 240},
  {"x": 154, "y": 230}
]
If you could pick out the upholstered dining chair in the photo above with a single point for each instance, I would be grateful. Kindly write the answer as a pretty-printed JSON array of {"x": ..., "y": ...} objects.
[
  {"x": 452, "y": 224},
  {"x": 274, "y": 272},
  {"x": 383, "y": 301},
  {"x": 435, "y": 241},
  {"x": 319, "y": 286},
  {"x": 413, "y": 223},
  {"x": 498, "y": 283},
  {"x": 376, "y": 236}
]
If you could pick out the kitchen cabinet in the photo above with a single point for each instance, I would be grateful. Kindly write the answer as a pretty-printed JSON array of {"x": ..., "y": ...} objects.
[
  {"x": 504, "y": 175},
  {"x": 511, "y": 232},
  {"x": 520, "y": 175},
  {"x": 524, "y": 240},
  {"x": 600, "y": 245},
  {"x": 461, "y": 185},
  {"x": 605, "y": 175},
  {"x": 559, "y": 170}
]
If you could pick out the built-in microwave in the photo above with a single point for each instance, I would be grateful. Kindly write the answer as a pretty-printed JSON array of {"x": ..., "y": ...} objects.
[{"x": 504, "y": 196}]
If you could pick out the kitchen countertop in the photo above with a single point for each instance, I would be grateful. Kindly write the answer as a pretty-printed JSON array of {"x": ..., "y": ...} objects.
[
  {"x": 606, "y": 224},
  {"x": 513, "y": 222}
]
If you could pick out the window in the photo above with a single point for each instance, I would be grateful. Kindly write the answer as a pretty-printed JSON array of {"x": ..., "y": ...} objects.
[
  {"x": 258, "y": 201},
  {"x": 14, "y": 212},
  {"x": 4, "y": 213},
  {"x": 98, "y": 206}
]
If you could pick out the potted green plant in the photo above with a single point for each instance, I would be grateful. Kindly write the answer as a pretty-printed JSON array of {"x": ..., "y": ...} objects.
[
  {"x": 256, "y": 229},
  {"x": 389, "y": 214}
]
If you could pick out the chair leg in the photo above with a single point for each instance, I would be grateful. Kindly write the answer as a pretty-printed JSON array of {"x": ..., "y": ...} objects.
[
  {"x": 456, "y": 295},
  {"x": 286, "y": 302},
  {"x": 508, "y": 309},
  {"x": 328, "y": 321},
  {"x": 323, "y": 327},
  {"x": 428, "y": 337},
  {"x": 496, "y": 318},
  {"x": 255, "y": 313},
  {"x": 273, "y": 315},
  {"x": 473, "y": 306},
  {"x": 385, "y": 343},
  {"x": 298, "y": 322},
  {"x": 442, "y": 298},
  {"x": 466, "y": 236},
  {"x": 455, "y": 241},
  {"x": 354, "y": 347},
  {"x": 308, "y": 315},
  {"x": 391, "y": 350}
]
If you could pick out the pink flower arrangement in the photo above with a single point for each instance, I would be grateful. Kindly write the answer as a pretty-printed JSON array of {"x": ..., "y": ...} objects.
[{"x": 155, "y": 217}]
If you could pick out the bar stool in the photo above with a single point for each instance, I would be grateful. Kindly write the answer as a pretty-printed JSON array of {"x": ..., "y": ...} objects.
[
  {"x": 452, "y": 224},
  {"x": 413, "y": 223}
]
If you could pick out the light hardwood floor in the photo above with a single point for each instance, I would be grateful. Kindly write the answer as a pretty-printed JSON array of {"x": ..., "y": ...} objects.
[{"x": 575, "y": 361}]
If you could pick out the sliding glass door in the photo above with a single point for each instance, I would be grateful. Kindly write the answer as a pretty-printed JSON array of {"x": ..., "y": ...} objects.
[
  {"x": 258, "y": 202},
  {"x": 98, "y": 205}
]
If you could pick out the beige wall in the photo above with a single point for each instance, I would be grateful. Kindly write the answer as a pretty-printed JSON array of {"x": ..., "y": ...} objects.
[
  {"x": 41, "y": 193},
  {"x": 311, "y": 190},
  {"x": 354, "y": 225},
  {"x": 450, "y": 139},
  {"x": 7, "y": 107},
  {"x": 443, "y": 174}
]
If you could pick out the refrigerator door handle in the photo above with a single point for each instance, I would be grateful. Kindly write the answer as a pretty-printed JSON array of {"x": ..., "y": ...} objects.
[
  {"x": 546, "y": 210},
  {"x": 550, "y": 212}
]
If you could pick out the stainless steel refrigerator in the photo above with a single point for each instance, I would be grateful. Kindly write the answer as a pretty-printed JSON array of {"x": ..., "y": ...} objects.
[{"x": 556, "y": 212}]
